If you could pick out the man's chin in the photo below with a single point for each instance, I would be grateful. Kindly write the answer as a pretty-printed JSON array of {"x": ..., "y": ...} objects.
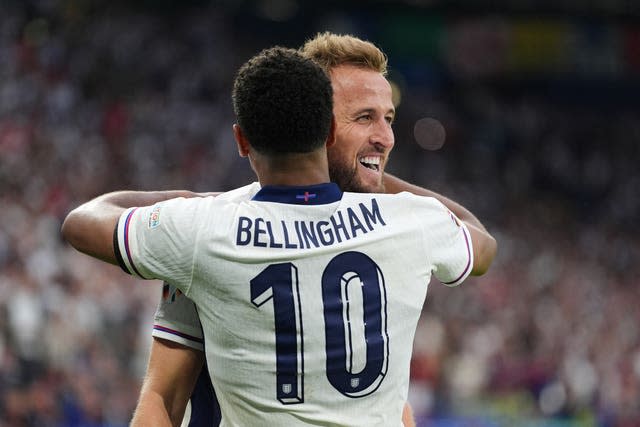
[
  {"x": 355, "y": 183},
  {"x": 364, "y": 187},
  {"x": 369, "y": 181}
]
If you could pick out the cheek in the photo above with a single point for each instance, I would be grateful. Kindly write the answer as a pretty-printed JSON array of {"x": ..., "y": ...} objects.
[
  {"x": 341, "y": 152},
  {"x": 341, "y": 163},
  {"x": 335, "y": 155},
  {"x": 346, "y": 146}
]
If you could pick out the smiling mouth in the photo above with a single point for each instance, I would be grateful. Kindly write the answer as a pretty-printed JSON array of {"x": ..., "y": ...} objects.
[{"x": 370, "y": 162}]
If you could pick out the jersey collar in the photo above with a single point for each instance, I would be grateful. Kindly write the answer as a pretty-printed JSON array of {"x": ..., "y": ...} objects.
[{"x": 319, "y": 194}]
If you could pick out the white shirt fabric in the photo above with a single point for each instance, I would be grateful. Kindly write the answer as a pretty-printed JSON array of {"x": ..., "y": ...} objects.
[
  {"x": 308, "y": 298},
  {"x": 176, "y": 318}
]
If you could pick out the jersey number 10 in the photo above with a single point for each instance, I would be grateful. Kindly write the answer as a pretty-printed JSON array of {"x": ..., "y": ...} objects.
[{"x": 350, "y": 277}]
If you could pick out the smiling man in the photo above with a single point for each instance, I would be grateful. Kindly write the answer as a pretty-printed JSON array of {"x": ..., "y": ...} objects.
[
  {"x": 363, "y": 112},
  {"x": 302, "y": 335}
]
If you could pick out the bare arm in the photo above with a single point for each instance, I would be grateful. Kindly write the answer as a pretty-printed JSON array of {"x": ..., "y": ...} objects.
[
  {"x": 89, "y": 227},
  {"x": 484, "y": 245},
  {"x": 172, "y": 373},
  {"x": 173, "y": 369},
  {"x": 407, "y": 416},
  {"x": 171, "y": 376},
  {"x": 394, "y": 185}
]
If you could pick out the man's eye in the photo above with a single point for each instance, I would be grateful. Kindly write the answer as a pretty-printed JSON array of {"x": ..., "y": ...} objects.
[{"x": 364, "y": 118}]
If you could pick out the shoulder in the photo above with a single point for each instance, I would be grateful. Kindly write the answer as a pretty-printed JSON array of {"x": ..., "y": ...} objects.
[
  {"x": 242, "y": 193},
  {"x": 403, "y": 199}
]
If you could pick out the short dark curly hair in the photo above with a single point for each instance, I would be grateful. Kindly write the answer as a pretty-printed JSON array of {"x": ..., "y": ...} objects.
[{"x": 283, "y": 102}]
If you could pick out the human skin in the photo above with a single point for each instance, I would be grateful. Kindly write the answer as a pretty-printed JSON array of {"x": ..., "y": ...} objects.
[{"x": 364, "y": 113}]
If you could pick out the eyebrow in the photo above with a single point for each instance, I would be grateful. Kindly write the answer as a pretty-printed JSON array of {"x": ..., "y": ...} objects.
[{"x": 373, "y": 110}]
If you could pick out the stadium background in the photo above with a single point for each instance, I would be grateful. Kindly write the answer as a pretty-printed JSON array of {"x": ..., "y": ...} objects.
[{"x": 540, "y": 105}]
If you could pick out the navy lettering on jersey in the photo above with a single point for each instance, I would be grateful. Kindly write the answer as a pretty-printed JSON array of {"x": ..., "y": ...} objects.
[
  {"x": 258, "y": 232},
  {"x": 300, "y": 234},
  {"x": 309, "y": 233},
  {"x": 287, "y": 242},
  {"x": 272, "y": 240},
  {"x": 296, "y": 224},
  {"x": 243, "y": 237},
  {"x": 372, "y": 216},
  {"x": 338, "y": 225},
  {"x": 355, "y": 223},
  {"x": 325, "y": 233}
]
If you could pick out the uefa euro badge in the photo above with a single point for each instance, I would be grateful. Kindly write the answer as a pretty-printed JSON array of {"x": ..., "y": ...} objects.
[
  {"x": 286, "y": 388},
  {"x": 355, "y": 382},
  {"x": 154, "y": 217}
]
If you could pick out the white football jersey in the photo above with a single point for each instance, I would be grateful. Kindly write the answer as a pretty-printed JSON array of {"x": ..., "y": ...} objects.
[
  {"x": 308, "y": 297},
  {"x": 176, "y": 318}
]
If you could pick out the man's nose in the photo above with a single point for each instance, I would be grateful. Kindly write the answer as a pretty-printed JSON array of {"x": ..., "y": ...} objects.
[{"x": 383, "y": 135}]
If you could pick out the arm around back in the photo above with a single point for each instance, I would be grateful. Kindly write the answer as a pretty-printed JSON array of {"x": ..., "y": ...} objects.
[
  {"x": 484, "y": 249},
  {"x": 89, "y": 228},
  {"x": 484, "y": 245},
  {"x": 394, "y": 185}
]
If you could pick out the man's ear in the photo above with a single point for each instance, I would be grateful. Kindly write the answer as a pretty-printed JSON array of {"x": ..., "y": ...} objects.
[
  {"x": 241, "y": 141},
  {"x": 331, "y": 139}
]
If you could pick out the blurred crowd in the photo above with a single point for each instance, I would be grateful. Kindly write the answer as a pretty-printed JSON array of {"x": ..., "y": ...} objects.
[{"x": 93, "y": 102}]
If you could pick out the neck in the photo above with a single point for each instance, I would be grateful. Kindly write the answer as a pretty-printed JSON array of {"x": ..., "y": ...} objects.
[{"x": 293, "y": 169}]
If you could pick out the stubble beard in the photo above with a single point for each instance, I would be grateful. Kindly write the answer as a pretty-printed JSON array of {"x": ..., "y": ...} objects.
[{"x": 347, "y": 179}]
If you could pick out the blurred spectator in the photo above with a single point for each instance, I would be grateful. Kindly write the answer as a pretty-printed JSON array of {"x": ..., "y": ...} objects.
[{"x": 94, "y": 99}]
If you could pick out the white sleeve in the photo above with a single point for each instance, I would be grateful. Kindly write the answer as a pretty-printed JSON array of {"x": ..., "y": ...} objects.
[
  {"x": 450, "y": 246},
  {"x": 158, "y": 242},
  {"x": 177, "y": 319}
]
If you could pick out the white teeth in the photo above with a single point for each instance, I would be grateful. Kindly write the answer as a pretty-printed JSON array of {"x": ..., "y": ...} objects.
[{"x": 371, "y": 160}]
